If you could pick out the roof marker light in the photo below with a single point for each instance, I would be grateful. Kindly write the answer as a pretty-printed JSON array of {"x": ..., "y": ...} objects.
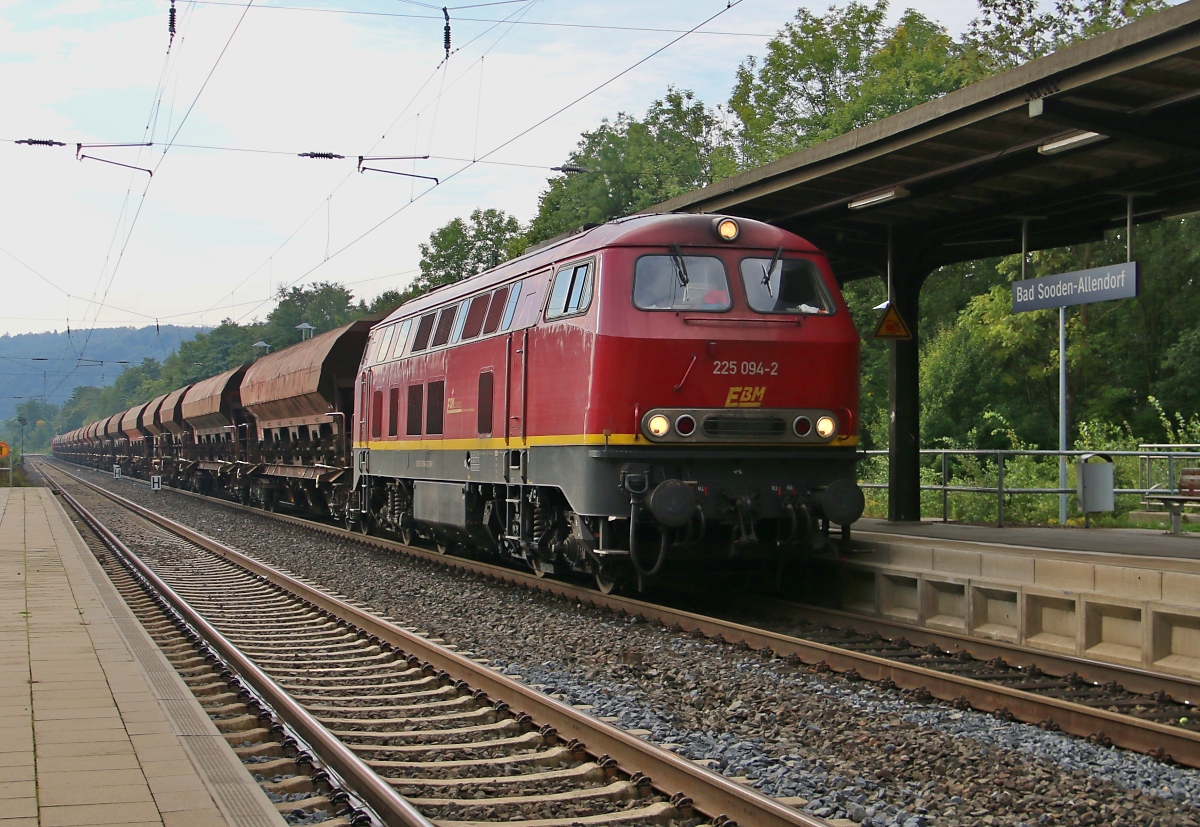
[{"x": 727, "y": 229}]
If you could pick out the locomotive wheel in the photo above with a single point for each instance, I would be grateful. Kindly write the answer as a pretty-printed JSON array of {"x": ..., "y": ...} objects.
[
  {"x": 532, "y": 560},
  {"x": 606, "y": 579}
]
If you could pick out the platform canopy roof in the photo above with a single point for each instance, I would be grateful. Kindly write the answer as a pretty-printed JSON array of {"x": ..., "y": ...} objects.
[{"x": 1061, "y": 141}]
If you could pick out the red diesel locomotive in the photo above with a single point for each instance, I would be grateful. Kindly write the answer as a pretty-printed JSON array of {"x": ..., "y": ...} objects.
[
  {"x": 658, "y": 394},
  {"x": 656, "y": 391}
]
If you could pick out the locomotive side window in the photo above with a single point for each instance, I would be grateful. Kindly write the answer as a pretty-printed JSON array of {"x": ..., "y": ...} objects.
[
  {"x": 416, "y": 394},
  {"x": 485, "y": 402},
  {"x": 678, "y": 282},
  {"x": 458, "y": 324},
  {"x": 785, "y": 286},
  {"x": 475, "y": 316},
  {"x": 424, "y": 328},
  {"x": 376, "y": 414},
  {"x": 399, "y": 339},
  {"x": 435, "y": 407},
  {"x": 393, "y": 411},
  {"x": 445, "y": 324},
  {"x": 511, "y": 307},
  {"x": 494, "y": 312},
  {"x": 372, "y": 347},
  {"x": 572, "y": 291},
  {"x": 385, "y": 343}
]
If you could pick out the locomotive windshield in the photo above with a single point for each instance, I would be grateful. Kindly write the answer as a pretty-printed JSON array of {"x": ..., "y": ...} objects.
[
  {"x": 660, "y": 283},
  {"x": 785, "y": 286}
]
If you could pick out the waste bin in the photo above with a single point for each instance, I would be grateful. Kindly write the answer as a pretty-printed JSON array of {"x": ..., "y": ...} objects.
[{"x": 1094, "y": 483}]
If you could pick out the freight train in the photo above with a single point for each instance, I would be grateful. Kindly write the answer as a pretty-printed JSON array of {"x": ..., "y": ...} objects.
[{"x": 658, "y": 394}]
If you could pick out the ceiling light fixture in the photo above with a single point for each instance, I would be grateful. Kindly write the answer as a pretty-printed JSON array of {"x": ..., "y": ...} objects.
[
  {"x": 1070, "y": 142},
  {"x": 880, "y": 197}
]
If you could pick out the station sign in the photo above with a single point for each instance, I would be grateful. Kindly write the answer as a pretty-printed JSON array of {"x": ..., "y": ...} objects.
[
  {"x": 1117, "y": 281},
  {"x": 156, "y": 483}
]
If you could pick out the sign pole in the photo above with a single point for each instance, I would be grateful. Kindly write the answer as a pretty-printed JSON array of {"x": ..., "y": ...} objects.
[{"x": 1062, "y": 413}]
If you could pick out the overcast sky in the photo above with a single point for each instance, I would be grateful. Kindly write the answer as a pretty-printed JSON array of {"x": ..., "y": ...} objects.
[{"x": 214, "y": 232}]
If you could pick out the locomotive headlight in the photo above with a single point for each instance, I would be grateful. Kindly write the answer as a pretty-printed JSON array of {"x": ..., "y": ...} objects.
[
  {"x": 658, "y": 425},
  {"x": 727, "y": 229},
  {"x": 826, "y": 427},
  {"x": 802, "y": 426}
]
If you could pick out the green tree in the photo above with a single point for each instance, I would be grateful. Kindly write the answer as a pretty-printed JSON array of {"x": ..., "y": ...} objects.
[
  {"x": 1008, "y": 33},
  {"x": 466, "y": 247},
  {"x": 324, "y": 305},
  {"x": 827, "y": 74},
  {"x": 626, "y": 165},
  {"x": 38, "y": 429}
]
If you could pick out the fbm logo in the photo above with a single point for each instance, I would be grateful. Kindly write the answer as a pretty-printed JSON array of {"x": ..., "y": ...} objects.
[{"x": 745, "y": 397}]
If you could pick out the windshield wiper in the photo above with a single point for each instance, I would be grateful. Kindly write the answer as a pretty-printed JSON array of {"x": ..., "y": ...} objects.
[
  {"x": 680, "y": 270},
  {"x": 680, "y": 267},
  {"x": 767, "y": 271}
]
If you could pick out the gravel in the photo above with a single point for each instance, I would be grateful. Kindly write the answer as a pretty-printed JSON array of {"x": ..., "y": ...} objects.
[{"x": 853, "y": 751}]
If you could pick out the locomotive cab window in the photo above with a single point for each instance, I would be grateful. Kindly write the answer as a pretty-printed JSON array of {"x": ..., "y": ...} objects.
[
  {"x": 572, "y": 291},
  {"x": 679, "y": 282},
  {"x": 779, "y": 285}
]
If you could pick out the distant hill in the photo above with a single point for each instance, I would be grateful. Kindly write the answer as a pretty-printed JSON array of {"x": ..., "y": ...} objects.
[{"x": 65, "y": 369}]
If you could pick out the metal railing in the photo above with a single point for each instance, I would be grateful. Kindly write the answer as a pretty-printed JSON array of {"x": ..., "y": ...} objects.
[{"x": 1158, "y": 471}]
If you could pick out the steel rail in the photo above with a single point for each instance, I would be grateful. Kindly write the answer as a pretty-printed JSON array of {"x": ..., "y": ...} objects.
[
  {"x": 1182, "y": 746},
  {"x": 389, "y": 804},
  {"x": 710, "y": 793},
  {"x": 1135, "y": 679}
]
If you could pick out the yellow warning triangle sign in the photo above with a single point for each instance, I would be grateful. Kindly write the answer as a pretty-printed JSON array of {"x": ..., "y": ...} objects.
[{"x": 892, "y": 325}]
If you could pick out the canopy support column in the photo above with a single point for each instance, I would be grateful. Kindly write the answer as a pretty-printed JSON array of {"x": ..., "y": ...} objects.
[{"x": 905, "y": 278}]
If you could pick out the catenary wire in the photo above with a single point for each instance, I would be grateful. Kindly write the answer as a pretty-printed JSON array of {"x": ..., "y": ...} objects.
[{"x": 518, "y": 136}]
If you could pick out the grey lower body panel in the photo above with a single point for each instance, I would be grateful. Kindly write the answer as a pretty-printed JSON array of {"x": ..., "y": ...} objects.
[{"x": 593, "y": 479}]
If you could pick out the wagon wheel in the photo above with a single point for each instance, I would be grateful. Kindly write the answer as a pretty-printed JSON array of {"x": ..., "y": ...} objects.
[
  {"x": 444, "y": 546},
  {"x": 407, "y": 536}
]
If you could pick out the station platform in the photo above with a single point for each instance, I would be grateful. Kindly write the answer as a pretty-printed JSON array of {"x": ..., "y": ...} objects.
[
  {"x": 1140, "y": 542},
  {"x": 95, "y": 726}
]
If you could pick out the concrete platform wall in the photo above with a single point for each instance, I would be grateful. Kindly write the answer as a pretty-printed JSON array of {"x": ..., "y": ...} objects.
[{"x": 1128, "y": 615}]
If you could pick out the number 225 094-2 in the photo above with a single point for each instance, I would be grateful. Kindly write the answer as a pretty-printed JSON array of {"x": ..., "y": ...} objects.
[{"x": 725, "y": 367}]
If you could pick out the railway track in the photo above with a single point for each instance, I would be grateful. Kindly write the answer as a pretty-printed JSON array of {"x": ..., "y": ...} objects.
[
  {"x": 1129, "y": 708},
  {"x": 411, "y": 729}
]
